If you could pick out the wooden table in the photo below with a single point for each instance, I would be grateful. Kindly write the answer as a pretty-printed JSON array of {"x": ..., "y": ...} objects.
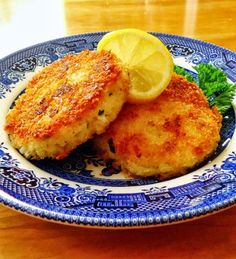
[{"x": 24, "y": 23}]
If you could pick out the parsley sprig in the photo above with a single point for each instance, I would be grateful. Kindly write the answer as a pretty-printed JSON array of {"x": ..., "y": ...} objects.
[{"x": 213, "y": 81}]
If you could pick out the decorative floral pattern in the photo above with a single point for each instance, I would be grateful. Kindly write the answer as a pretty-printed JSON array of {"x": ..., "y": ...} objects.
[
  {"x": 58, "y": 196},
  {"x": 20, "y": 176},
  {"x": 178, "y": 50},
  {"x": 70, "y": 190}
]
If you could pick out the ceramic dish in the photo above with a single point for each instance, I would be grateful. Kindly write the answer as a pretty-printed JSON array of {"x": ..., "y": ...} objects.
[{"x": 84, "y": 190}]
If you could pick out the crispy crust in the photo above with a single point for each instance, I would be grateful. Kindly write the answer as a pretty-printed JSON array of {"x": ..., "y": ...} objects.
[
  {"x": 61, "y": 107},
  {"x": 62, "y": 93},
  {"x": 165, "y": 137}
]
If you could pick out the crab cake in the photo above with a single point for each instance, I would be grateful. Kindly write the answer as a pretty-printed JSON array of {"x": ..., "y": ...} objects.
[
  {"x": 66, "y": 103},
  {"x": 166, "y": 137}
]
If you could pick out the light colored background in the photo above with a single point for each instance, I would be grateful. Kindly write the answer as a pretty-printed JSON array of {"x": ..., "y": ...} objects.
[{"x": 26, "y": 22}]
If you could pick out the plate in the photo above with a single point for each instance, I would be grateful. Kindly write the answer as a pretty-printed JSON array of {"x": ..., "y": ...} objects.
[{"x": 82, "y": 189}]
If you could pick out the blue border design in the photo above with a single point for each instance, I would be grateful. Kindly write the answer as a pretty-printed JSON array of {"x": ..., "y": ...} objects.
[
  {"x": 213, "y": 190},
  {"x": 83, "y": 204}
]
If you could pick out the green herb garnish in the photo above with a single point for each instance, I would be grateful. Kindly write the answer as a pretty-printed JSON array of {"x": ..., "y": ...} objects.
[
  {"x": 183, "y": 72},
  {"x": 213, "y": 82}
]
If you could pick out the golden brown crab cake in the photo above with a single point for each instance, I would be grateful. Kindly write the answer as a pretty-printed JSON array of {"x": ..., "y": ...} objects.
[
  {"x": 165, "y": 137},
  {"x": 66, "y": 103}
]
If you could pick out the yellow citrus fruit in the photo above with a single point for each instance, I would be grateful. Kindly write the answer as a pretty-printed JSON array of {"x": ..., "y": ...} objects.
[{"x": 148, "y": 61}]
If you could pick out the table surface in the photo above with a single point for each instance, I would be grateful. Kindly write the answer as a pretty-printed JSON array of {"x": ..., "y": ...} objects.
[{"x": 26, "y": 22}]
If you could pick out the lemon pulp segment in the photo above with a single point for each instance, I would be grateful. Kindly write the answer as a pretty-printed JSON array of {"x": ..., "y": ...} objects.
[{"x": 148, "y": 61}]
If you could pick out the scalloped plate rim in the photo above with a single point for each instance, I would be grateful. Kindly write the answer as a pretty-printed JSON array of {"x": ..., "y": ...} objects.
[{"x": 140, "y": 220}]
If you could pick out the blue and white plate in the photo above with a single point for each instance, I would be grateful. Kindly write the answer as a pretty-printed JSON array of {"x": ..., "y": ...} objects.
[{"x": 84, "y": 190}]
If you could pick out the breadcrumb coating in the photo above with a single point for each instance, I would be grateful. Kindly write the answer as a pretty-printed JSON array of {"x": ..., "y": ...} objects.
[
  {"x": 166, "y": 137},
  {"x": 63, "y": 101}
]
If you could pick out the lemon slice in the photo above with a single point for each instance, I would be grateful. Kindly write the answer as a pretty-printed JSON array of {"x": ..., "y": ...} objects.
[{"x": 148, "y": 61}]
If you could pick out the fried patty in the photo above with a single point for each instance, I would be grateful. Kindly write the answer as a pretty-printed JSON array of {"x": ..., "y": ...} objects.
[
  {"x": 66, "y": 103},
  {"x": 166, "y": 137}
]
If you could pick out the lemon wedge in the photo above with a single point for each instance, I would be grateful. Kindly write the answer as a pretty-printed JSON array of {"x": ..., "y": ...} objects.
[{"x": 146, "y": 58}]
